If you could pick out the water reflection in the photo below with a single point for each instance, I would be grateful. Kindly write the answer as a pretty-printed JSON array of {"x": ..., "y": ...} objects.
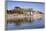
[
  {"x": 39, "y": 23},
  {"x": 20, "y": 20}
]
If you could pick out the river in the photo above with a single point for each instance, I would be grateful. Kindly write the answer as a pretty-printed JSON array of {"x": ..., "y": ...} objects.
[{"x": 35, "y": 24}]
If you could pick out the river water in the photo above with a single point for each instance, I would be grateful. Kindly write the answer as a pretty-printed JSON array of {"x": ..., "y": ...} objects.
[{"x": 35, "y": 24}]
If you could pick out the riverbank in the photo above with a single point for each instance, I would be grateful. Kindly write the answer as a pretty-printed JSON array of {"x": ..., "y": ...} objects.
[{"x": 22, "y": 18}]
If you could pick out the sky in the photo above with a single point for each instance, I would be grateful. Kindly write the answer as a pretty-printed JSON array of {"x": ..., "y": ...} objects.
[
  {"x": 28, "y": 0},
  {"x": 34, "y": 5}
]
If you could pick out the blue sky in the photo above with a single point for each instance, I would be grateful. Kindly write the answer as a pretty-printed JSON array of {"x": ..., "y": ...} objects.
[{"x": 38, "y": 6}]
